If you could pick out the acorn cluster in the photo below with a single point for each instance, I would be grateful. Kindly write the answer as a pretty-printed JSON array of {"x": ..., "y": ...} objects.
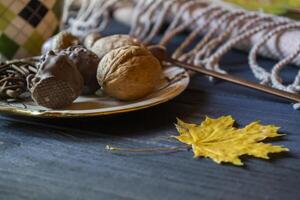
[{"x": 70, "y": 66}]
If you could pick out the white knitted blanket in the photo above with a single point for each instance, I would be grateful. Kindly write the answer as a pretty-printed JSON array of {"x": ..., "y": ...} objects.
[{"x": 222, "y": 26}]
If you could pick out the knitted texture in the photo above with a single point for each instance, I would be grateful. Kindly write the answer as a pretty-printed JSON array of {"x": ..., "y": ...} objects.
[{"x": 221, "y": 27}]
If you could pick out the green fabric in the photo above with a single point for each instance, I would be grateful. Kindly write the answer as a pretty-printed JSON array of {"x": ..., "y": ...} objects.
[
  {"x": 2, "y": 7},
  {"x": 6, "y": 17},
  {"x": 20, "y": 34},
  {"x": 7, "y": 46},
  {"x": 34, "y": 43},
  {"x": 57, "y": 8},
  {"x": 8, "y": 14},
  {"x": 3, "y": 24}
]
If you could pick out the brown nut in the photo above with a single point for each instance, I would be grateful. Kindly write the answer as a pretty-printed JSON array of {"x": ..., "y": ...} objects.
[
  {"x": 129, "y": 72},
  {"x": 106, "y": 44},
  {"x": 159, "y": 52},
  {"x": 57, "y": 83},
  {"x": 64, "y": 40},
  {"x": 90, "y": 39},
  {"x": 87, "y": 63}
]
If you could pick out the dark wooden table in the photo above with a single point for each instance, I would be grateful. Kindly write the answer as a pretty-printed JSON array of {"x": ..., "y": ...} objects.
[{"x": 66, "y": 159}]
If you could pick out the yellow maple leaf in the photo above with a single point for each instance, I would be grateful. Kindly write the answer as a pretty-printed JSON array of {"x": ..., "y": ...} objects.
[{"x": 219, "y": 140}]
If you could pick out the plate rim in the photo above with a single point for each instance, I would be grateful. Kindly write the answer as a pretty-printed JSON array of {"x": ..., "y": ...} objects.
[{"x": 54, "y": 114}]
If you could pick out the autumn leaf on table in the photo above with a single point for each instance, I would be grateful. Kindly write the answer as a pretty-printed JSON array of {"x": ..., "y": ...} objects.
[{"x": 219, "y": 140}]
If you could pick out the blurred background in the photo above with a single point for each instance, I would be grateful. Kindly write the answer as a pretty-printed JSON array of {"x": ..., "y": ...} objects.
[{"x": 289, "y": 8}]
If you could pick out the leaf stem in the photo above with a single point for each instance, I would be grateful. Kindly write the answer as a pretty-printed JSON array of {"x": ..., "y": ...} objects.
[{"x": 145, "y": 150}]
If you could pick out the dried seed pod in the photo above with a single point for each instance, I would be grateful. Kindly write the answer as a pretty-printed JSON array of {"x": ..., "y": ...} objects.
[
  {"x": 129, "y": 72},
  {"x": 57, "y": 83},
  {"x": 106, "y": 44},
  {"x": 64, "y": 40},
  {"x": 87, "y": 63},
  {"x": 90, "y": 39}
]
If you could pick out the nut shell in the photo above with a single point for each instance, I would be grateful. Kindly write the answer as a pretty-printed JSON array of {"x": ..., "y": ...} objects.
[
  {"x": 64, "y": 40},
  {"x": 90, "y": 39},
  {"x": 159, "y": 52},
  {"x": 129, "y": 72},
  {"x": 106, "y": 44}
]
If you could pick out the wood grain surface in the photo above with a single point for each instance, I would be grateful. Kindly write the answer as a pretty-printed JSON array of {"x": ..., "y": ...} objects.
[{"x": 66, "y": 159}]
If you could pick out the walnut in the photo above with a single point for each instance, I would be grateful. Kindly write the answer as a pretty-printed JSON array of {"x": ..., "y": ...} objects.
[
  {"x": 106, "y": 44},
  {"x": 90, "y": 39},
  {"x": 129, "y": 72},
  {"x": 63, "y": 40}
]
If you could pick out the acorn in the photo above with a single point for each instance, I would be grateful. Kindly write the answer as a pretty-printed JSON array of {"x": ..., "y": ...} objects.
[
  {"x": 64, "y": 40},
  {"x": 57, "y": 83},
  {"x": 60, "y": 41},
  {"x": 87, "y": 63}
]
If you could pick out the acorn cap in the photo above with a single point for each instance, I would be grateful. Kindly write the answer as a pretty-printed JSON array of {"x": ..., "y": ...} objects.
[{"x": 53, "y": 93}]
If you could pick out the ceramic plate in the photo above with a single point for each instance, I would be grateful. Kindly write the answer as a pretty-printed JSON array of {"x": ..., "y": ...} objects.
[{"x": 173, "y": 82}]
